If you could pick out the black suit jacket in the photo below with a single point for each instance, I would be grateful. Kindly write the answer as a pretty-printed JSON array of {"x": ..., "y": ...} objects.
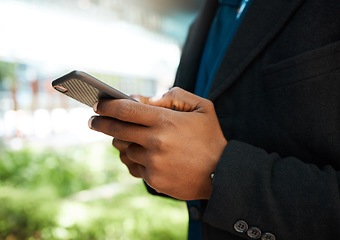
[{"x": 277, "y": 96}]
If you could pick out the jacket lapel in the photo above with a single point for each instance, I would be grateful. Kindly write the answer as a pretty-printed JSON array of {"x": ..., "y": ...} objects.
[{"x": 263, "y": 20}]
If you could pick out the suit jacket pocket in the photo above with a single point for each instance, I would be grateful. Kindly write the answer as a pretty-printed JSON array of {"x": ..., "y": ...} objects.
[{"x": 310, "y": 66}]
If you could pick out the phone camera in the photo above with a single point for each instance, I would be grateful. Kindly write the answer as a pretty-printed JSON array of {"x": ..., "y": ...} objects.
[{"x": 61, "y": 89}]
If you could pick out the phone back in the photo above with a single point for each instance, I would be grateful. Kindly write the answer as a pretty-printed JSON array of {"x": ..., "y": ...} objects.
[{"x": 85, "y": 88}]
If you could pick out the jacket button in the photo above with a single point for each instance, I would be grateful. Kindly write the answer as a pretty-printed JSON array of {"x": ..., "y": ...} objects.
[
  {"x": 268, "y": 236},
  {"x": 254, "y": 233},
  {"x": 241, "y": 226},
  {"x": 194, "y": 213}
]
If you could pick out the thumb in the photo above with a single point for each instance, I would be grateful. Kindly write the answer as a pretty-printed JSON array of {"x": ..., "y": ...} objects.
[
  {"x": 180, "y": 100},
  {"x": 140, "y": 98}
]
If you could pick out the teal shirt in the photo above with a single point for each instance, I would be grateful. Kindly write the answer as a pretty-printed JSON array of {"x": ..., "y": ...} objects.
[{"x": 225, "y": 24}]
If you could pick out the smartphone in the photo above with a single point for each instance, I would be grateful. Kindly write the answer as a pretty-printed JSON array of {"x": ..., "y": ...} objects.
[{"x": 86, "y": 88}]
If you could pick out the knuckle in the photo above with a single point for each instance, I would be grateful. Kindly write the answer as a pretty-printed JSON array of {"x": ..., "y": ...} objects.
[
  {"x": 124, "y": 110},
  {"x": 152, "y": 163},
  {"x": 156, "y": 182},
  {"x": 158, "y": 142},
  {"x": 176, "y": 89},
  {"x": 113, "y": 128},
  {"x": 209, "y": 104},
  {"x": 152, "y": 181},
  {"x": 172, "y": 92},
  {"x": 134, "y": 173},
  {"x": 124, "y": 159},
  {"x": 133, "y": 170},
  {"x": 132, "y": 151},
  {"x": 167, "y": 94},
  {"x": 120, "y": 145}
]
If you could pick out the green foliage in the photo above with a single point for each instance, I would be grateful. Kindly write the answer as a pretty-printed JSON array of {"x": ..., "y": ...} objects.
[
  {"x": 67, "y": 172},
  {"x": 132, "y": 215},
  {"x": 135, "y": 215},
  {"x": 35, "y": 186},
  {"x": 26, "y": 213},
  {"x": 8, "y": 72}
]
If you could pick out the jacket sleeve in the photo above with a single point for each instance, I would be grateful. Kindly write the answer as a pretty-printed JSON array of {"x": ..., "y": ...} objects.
[{"x": 284, "y": 196}]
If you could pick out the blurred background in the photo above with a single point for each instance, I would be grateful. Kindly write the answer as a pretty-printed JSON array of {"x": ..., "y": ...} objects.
[{"x": 58, "y": 179}]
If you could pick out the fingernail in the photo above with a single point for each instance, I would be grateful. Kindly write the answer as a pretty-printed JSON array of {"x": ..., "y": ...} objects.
[
  {"x": 95, "y": 106},
  {"x": 90, "y": 121}
]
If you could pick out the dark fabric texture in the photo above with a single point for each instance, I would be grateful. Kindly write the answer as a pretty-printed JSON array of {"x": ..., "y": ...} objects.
[
  {"x": 221, "y": 33},
  {"x": 277, "y": 96}
]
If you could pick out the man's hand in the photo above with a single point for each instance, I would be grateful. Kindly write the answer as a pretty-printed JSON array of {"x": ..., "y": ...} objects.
[{"x": 173, "y": 151}]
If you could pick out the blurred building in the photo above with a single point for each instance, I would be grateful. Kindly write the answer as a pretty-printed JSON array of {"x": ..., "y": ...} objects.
[{"x": 133, "y": 45}]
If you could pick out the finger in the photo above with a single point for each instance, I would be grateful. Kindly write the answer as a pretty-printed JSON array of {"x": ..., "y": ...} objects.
[
  {"x": 128, "y": 111},
  {"x": 141, "y": 98},
  {"x": 120, "y": 144},
  {"x": 137, "y": 154},
  {"x": 179, "y": 100},
  {"x": 135, "y": 170},
  {"x": 132, "y": 166},
  {"x": 141, "y": 171},
  {"x": 124, "y": 131}
]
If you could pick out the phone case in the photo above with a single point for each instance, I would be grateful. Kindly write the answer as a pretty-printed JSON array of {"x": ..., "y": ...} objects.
[{"x": 86, "y": 88}]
